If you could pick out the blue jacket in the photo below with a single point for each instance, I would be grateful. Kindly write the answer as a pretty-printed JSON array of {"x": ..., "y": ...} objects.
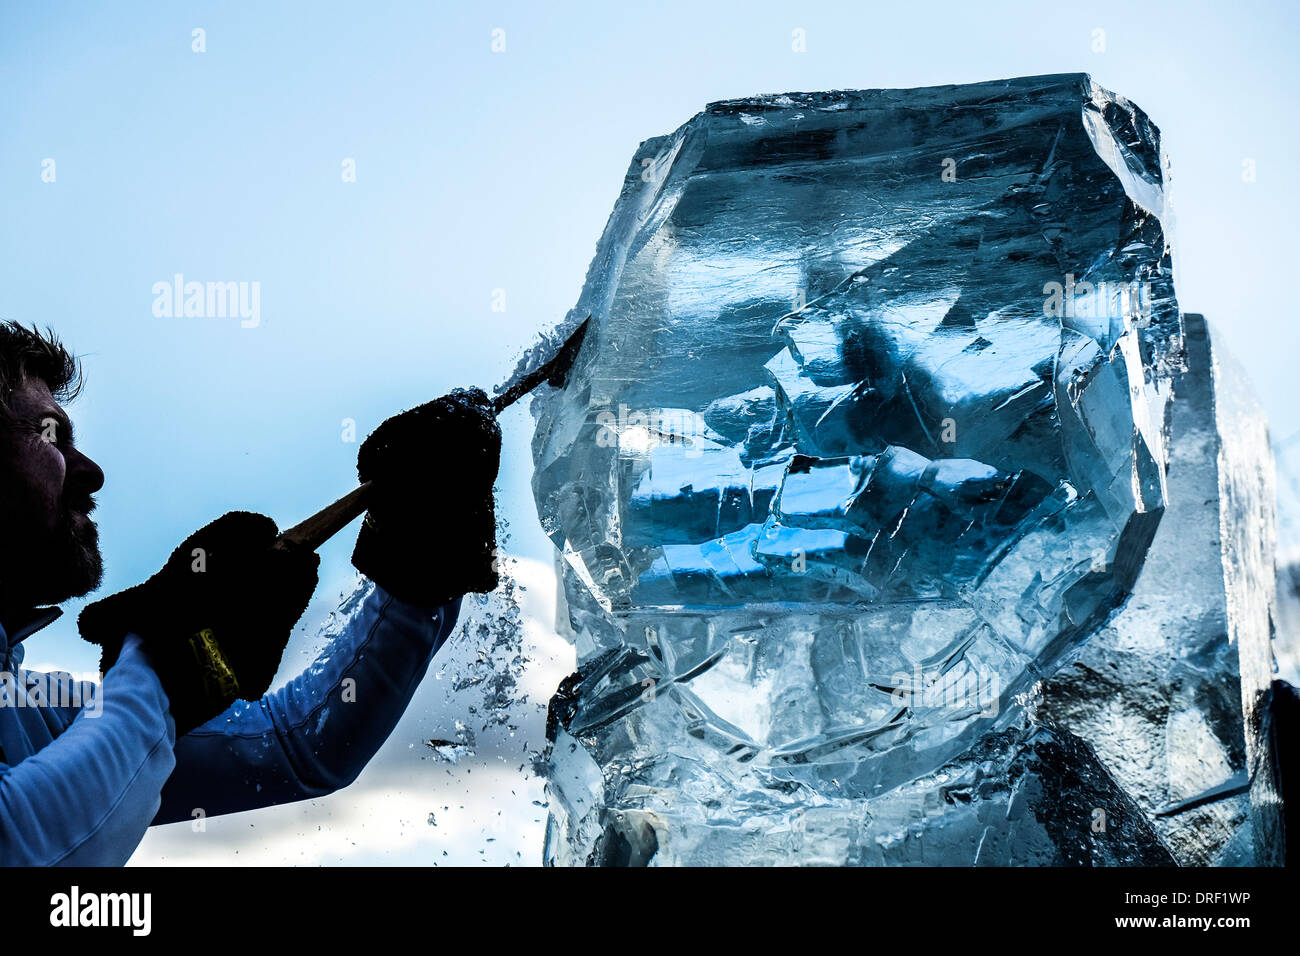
[{"x": 86, "y": 769}]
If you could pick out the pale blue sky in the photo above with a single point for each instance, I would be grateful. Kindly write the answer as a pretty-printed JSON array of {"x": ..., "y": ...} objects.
[{"x": 479, "y": 171}]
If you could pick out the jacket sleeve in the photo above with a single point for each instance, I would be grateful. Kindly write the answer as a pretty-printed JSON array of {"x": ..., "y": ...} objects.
[
  {"x": 314, "y": 735},
  {"x": 87, "y": 797}
]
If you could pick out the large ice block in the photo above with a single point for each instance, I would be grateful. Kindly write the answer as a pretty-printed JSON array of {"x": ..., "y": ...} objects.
[{"x": 867, "y": 439}]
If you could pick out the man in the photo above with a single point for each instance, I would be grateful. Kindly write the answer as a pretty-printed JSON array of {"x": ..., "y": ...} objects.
[{"x": 85, "y": 770}]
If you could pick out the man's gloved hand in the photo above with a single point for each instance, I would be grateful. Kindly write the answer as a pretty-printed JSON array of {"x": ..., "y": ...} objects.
[
  {"x": 216, "y": 618},
  {"x": 430, "y": 533}
]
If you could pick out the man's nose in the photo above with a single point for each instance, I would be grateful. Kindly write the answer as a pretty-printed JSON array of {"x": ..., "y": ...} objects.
[{"x": 83, "y": 475}]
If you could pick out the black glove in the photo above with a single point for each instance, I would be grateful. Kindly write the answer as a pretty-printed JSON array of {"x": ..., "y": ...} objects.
[
  {"x": 430, "y": 533},
  {"x": 216, "y": 618}
]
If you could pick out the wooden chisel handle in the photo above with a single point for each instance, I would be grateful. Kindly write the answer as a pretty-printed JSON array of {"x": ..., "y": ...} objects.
[{"x": 326, "y": 523}]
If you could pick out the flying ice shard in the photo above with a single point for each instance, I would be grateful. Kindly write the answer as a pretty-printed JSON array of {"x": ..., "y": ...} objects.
[{"x": 867, "y": 439}]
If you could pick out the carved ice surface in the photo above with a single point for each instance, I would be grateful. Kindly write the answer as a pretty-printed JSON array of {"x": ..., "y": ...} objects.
[{"x": 866, "y": 440}]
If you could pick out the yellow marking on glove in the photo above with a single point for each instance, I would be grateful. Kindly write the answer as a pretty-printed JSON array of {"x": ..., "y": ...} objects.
[{"x": 218, "y": 677}]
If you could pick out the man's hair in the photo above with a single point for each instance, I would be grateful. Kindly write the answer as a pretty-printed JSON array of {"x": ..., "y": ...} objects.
[{"x": 28, "y": 352}]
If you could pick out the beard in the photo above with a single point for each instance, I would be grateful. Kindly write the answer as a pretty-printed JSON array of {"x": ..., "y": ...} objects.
[{"x": 41, "y": 565}]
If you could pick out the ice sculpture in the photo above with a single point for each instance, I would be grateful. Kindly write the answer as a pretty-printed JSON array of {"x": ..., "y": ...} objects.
[{"x": 866, "y": 441}]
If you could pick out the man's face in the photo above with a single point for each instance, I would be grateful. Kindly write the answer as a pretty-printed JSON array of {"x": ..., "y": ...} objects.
[{"x": 49, "y": 547}]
